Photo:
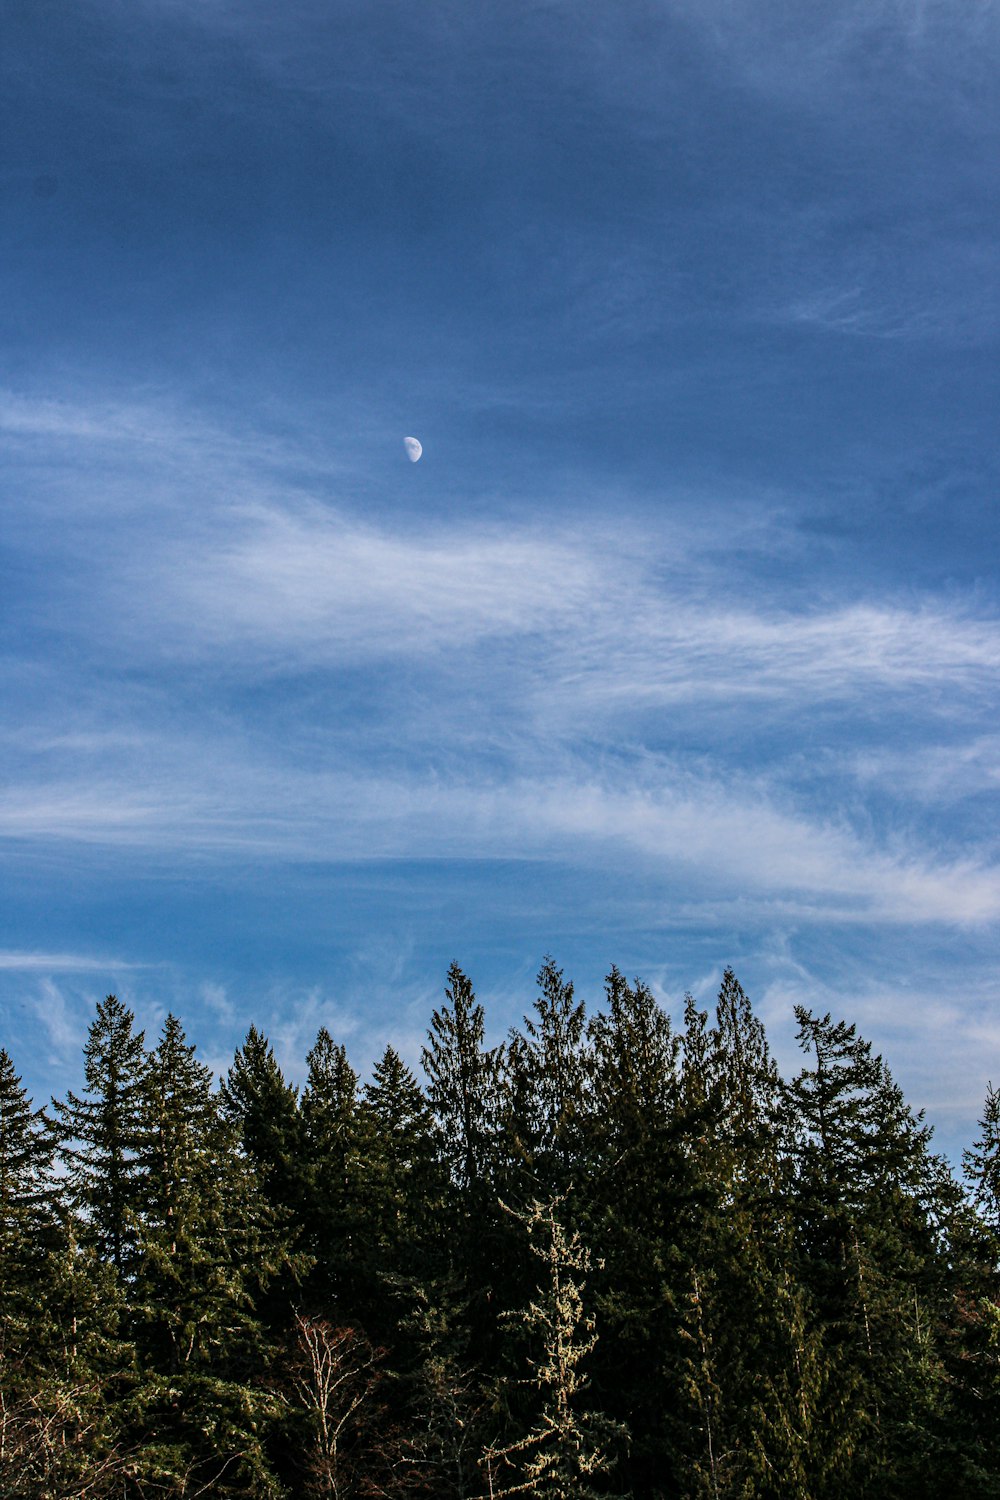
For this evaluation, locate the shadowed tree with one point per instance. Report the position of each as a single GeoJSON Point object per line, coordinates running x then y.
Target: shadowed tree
{"type": "Point", "coordinates": [206, 1243]}
{"type": "Point", "coordinates": [100, 1132]}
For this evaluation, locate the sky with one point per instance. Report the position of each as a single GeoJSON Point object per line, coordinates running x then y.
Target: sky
{"type": "Point", "coordinates": [678, 648]}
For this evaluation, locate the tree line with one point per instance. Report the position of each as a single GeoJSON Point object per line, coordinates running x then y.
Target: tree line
{"type": "Point", "coordinates": [612, 1256]}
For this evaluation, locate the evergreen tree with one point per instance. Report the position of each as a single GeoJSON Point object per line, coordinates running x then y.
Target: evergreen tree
{"type": "Point", "coordinates": [872, 1205]}
{"type": "Point", "coordinates": [204, 1231]}
{"type": "Point", "coordinates": [546, 1077]}
{"type": "Point", "coordinates": [982, 1166]}
{"type": "Point", "coordinates": [63, 1368]}
{"type": "Point", "coordinates": [638, 1203]}
{"type": "Point", "coordinates": [264, 1109]}
{"type": "Point", "coordinates": [28, 1208]}
{"type": "Point", "coordinates": [404, 1184]}
{"type": "Point", "coordinates": [463, 1092]}
{"type": "Point", "coordinates": [745, 1079]}
{"type": "Point", "coordinates": [462, 1076]}
{"type": "Point", "coordinates": [100, 1132]}
{"type": "Point", "coordinates": [339, 1234]}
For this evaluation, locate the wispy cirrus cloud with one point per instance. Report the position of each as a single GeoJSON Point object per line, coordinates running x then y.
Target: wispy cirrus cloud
{"type": "Point", "coordinates": [715, 837]}
{"type": "Point", "coordinates": [24, 961]}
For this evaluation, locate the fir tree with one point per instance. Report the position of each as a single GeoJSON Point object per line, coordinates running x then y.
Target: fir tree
{"type": "Point", "coordinates": [100, 1131]}
{"type": "Point", "coordinates": [28, 1202]}
{"type": "Point", "coordinates": [462, 1076]}
{"type": "Point", "coordinates": [982, 1165]}
{"type": "Point", "coordinates": [872, 1205]}
{"type": "Point", "coordinates": [264, 1109]}
{"type": "Point", "coordinates": [404, 1185]}
{"type": "Point", "coordinates": [204, 1232]}
{"type": "Point", "coordinates": [339, 1233]}
{"type": "Point", "coordinates": [638, 1197]}
{"type": "Point", "coordinates": [546, 1073]}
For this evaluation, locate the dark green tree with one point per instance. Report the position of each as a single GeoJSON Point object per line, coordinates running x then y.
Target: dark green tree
{"type": "Point", "coordinates": [100, 1134]}
{"type": "Point", "coordinates": [265, 1111]}
{"type": "Point", "coordinates": [405, 1183]}
{"type": "Point", "coordinates": [27, 1189]}
{"type": "Point", "coordinates": [462, 1083]}
{"type": "Point", "coordinates": [546, 1077]}
{"type": "Point", "coordinates": [873, 1205]}
{"type": "Point", "coordinates": [64, 1370]}
{"type": "Point", "coordinates": [637, 1204]}
{"type": "Point", "coordinates": [205, 1243]}
{"type": "Point", "coordinates": [337, 1144]}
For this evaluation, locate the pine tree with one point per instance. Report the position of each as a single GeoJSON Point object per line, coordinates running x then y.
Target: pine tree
{"type": "Point", "coordinates": [204, 1233]}
{"type": "Point", "coordinates": [27, 1189]}
{"type": "Point", "coordinates": [745, 1416]}
{"type": "Point", "coordinates": [745, 1079]}
{"type": "Point", "coordinates": [339, 1234]}
{"type": "Point", "coordinates": [404, 1183]}
{"type": "Point", "coordinates": [637, 1203]}
{"type": "Point", "coordinates": [264, 1109]}
{"type": "Point", "coordinates": [982, 1165]}
{"type": "Point", "coordinates": [872, 1205]}
{"type": "Point", "coordinates": [545, 1076]}
{"type": "Point", "coordinates": [100, 1132]}
{"type": "Point", "coordinates": [63, 1368]}
{"type": "Point", "coordinates": [462, 1076]}
{"type": "Point", "coordinates": [463, 1091]}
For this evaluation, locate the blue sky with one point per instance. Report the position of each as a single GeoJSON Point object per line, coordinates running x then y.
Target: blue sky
{"type": "Point", "coordinates": [678, 648]}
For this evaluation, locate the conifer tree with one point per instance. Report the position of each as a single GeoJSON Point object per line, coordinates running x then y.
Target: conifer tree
{"type": "Point", "coordinates": [206, 1239]}
{"type": "Point", "coordinates": [745, 1079]}
{"type": "Point", "coordinates": [872, 1203]}
{"type": "Point", "coordinates": [638, 1198]}
{"type": "Point", "coordinates": [339, 1235]}
{"type": "Point", "coordinates": [462, 1076]}
{"type": "Point", "coordinates": [27, 1190]}
{"type": "Point", "coordinates": [546, 1075]}
{"type": "Point", "coordinates": [982, 1165]}
{"type": "Point", "coordinates": [100, 1131]}
{"type": "Point", "coordinates": [264, 1109]}
{"type": "Point", "coordinates": [404, 1185]}
{"type": "Point", "coordinates": [64, 1370]}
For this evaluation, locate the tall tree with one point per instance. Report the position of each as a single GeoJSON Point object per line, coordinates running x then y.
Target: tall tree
{"type": "Point", "coordinates": [264, 1109]}
{"type": "Point", "coordinates": [462, 1075]}
{"type": "Point", "coordinates": [405, 1185]}
{"type": "Point", "coordinates": [205, 1240]}
{"type": "Point", "coordinates": [27, 1151]}
{"type": "Point", "coordinates": [546, 1076]}
{"type": "Point", "coordinates": [873, 1204]}
{"type": "Point", "coordinates": [100, 1132]}
{"type": "Point", "coordinates": [336, 1137]}
{"type": "Point", "coordinates": [638, 1199]}
{"type": "Point", "coordinates": [64, 1370]}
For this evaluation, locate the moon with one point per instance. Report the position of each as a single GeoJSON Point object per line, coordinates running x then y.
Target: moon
{"type": "Point", "coordinates": [414, 448]}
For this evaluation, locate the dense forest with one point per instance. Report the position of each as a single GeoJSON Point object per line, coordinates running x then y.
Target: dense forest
{"type": "Point", "coordinates": [616, 1255]}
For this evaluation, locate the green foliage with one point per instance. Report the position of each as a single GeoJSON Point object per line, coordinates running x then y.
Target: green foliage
{"type": "Point", "coordinates": [239, 1292]}
{"type": "Point", "coordinates": [100, 1131]}
{"type": "Point", "coordinates": [462, 1077]}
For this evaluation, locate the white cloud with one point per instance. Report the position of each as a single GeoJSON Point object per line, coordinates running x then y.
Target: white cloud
{"type": "Point", "coordinates": [714, 837]}
{"type": "Point", "coordinates": [26, 962]}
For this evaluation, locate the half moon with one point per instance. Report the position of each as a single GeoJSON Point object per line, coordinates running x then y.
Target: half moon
{"type": "Point", "coordinates": [414, 448]}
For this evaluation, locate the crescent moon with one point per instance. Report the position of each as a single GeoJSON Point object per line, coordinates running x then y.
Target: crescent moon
{"type": "Point", "coordinates": [413, 447]}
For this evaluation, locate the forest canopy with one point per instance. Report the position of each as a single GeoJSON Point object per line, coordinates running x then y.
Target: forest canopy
{"type": "Point", "coordinates": [618, 1254]}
